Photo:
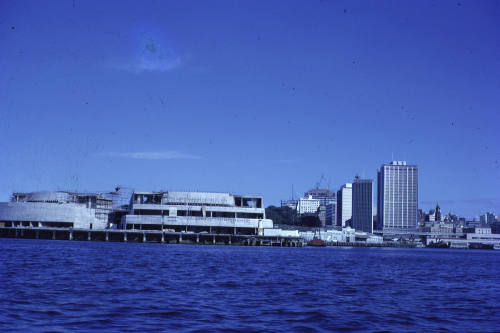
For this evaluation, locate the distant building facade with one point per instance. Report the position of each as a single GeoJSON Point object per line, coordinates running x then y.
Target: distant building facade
{"type": "Point", "coordinates": [495, 227]}
{"type": "Point", "coordinates": [487, 218]}
{"type": "Point", "coordinates": [344, 204]}
{"type": "Point", "coordinates": [307, 205]}
{"type": "Point", "coordinates": [289, 203]}
{"type": "Point", "coordinates": [327, 201]}
{"type": "Point", "coordinates": [362, 217]}
{"type": "Point", "coordinates": [397, 196]}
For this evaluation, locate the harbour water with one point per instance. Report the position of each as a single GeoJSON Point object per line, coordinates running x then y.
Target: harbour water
{"type": "Point", "coordinates": [95, 286]}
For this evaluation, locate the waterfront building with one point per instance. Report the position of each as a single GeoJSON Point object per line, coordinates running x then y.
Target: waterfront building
{"type": "Point", "coordinates": [439, 227]}
{"type": "Point", "coordinates": [362, 216]}
{"type": "Point", "coordinates": [397, 196]}
{"type": "Point", "coordinates": [196, 212]}
{"type": "Point", "coordinates": [484, 236]}
{"type": "Point", "coordinates": [57, 210]}
{"type": "Point", "coordinates": [480, 238]}
{"type": "Point", "coordinates": [345, 235]}
{"type": "Point", "coordinates": [344, 204]}
{"type": "Point", "coordinates": [222, 213]}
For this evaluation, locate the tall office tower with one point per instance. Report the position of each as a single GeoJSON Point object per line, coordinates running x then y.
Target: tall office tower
{"type": "Point", "coordinates": [397, 196]}
{"type": "Point", "coordinates": [344, 204]}
{"type": "Point", "coordinates": [362, 217]}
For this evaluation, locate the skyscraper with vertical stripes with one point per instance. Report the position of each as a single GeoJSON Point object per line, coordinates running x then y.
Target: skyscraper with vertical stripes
{"type": "Point", "coordinates": [397, 196]}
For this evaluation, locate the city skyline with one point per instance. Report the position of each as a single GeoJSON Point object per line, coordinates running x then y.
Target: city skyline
{"type": "Point", "coordinates": [251, 97]}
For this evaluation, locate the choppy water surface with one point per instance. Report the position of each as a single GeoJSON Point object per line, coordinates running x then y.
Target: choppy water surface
{"type": "Point", "coordinates": [94, 286]}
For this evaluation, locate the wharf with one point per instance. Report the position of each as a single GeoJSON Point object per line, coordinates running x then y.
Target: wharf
{"type": "Point", "coordinates": [148, 236]}
{"type": "Point", "coordinates": [363, 244]}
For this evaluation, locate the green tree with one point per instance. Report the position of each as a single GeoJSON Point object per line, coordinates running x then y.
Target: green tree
{"type": "Point", "coordinates": [281, 215]}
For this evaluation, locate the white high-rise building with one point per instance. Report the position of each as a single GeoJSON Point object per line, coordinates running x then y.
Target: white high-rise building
{"type": "Point", "coordinates": [344, 204]}
{"type": "Point", "coordinates": [397, 196]}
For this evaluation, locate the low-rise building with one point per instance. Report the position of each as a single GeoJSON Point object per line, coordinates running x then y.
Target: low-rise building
{"type": "Point", "coordinates": [57, 210]}
{"type": "Point", "coordinates": [196, 212]}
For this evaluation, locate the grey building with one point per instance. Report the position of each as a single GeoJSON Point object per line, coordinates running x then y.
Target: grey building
{"type": "Point", "coordinates": [362, 217]}
{"type": "Point", "coordinates": [189, 212]}
{"type": "Point", "coordinates": [397, 196]}
{"type": "Point", "coordinates": [56, 210]}
{"type": "Point", "coordinates": [196, 212]}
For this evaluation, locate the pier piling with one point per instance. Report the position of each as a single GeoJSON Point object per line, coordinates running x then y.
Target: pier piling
{"type": "Point", "coordinates": [147, 236]}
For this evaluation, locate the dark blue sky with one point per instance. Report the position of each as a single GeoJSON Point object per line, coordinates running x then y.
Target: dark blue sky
{"type": "Point", "coordinates": [251, 97]}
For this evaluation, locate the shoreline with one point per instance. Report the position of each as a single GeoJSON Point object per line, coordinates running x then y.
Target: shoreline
{"type": "Point", "coordinates": [186, 238]}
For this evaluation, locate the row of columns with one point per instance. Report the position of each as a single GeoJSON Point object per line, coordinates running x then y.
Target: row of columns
{"type": "Point", "coordinates": [144, 238]}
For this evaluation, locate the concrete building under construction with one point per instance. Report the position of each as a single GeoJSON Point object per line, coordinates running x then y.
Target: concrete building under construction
{"type": "Point", "coordinates": [196, 212]}
{"type": "Point", "coordinates": [172, 211]}
{"type": "Point", "coordinates": [57, 210]}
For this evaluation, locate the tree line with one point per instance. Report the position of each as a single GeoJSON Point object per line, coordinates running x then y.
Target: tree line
{"type": "Point", "coordinates": [289, 216]}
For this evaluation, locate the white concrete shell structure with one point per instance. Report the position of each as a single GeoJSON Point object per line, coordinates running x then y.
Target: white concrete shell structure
{"type": "Point", "coordinates": [56, 209]}
{"type": "Point", "coordinates": [196, 212]}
